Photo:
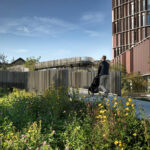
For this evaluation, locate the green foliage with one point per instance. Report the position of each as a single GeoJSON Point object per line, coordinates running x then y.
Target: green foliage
{"type": "Point", "coordinates": [3, 92]}
{"type": "Point", "coordinates": [56, 121]}
{"type": "Point", "coordinates": [133, 83]}
{"type": "Point", "coordinates": [30, 62]}
{"type": "Point", "coordinates": [118, 68]}
{"type": "Point", "coordinates": [3, 62]}
{"type": "Point", "coordinates": [119, 127]}
{"type": "Point", "coordinates": [77, 134]}
{"type": "Point", "coordinates": [29, 138]}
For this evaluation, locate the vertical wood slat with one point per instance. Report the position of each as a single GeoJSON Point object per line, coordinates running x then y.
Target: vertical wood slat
{"type": "Point", "coordinates": [39, 81]}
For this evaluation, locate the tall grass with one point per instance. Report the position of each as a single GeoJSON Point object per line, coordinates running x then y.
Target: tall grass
{"type": "Point", "coordinates": [56, 120]}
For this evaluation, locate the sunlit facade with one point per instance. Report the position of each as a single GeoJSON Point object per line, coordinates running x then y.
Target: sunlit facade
{"type": "Point", "coordinates": [131, 34]}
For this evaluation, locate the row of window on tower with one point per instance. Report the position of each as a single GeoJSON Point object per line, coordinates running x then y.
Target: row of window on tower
{"type": "Point", "coordinates": [129, 9]}
{"type": "Point", "coordinates": [136, 4]}
{"type": "Point", "coordinates": [124, 41]}
{"type": "Point", "coordinates": [136, 21]}
{"type": "Point", "coordinates": [131, 37]}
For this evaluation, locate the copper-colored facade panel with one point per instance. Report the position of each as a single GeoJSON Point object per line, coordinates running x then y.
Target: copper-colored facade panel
{"type": "Point", "coordinates": [123, 59]}
{"type": "Point", "coordinates": [131, 34]}
{"type": "Point", "coordinates": [128, 61]}
{"type": "Point", "coordinates": [114, 41]}
{"type": "Point", "coordinates": [131, 60]}
{"type": "Point", "coordinates": [141, 54]}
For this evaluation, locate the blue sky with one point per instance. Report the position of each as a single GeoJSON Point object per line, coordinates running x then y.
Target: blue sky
{"type": "Point", "coordinates": [55, 29]}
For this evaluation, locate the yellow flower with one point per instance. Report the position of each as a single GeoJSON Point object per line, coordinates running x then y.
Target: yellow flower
{"type": "Point", "coordinates": [116, 142]}
{"type": "Point", "coordinates": [121, 148]}
{"type": "Point", "coordinates": [104, 135]}
{"type": "Point", "coordinates": [134, 134]}
{"type": "Point", "coordinates": [127, 103]}
{"type": "Point", "coordinates": [127, 109]}
{"type": "Point", "coordinates": [132, 105]}
{"type": "Point", "coordinates": [120, 144]}
{"type": "Point", "coordinates": [107, 100]}
{"type": "Point", "coordinates": [115, 103]}
{"type": "Point", "coordinates": [115, 98]}
{"type": "Point", "coordinates": [99, 105]}
{"type": "Point", "coordinates": [103, 121]}
{"type": "Point", "coordinates": [104, 117]}
{"type": "Point", "coordinates": [99, 116]}
{"type": "Point", "coordinates": [126, 114]}
{"type": "Point", "coordinates": [107, 104]}
{"type": "Point", "coordinates": [129, 99]}
{"type": "Point", "coordinates": [102, 111]}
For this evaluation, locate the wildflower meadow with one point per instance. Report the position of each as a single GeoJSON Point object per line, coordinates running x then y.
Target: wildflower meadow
{"type": "Point", "coordinates": [56, 120]}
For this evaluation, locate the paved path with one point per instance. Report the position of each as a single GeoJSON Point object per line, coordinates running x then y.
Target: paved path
{"type": "Point", "coordinates": [96, 98]}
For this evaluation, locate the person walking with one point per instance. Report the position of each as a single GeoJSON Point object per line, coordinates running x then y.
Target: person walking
{"type": "Point", "coordinates": [103, 72]}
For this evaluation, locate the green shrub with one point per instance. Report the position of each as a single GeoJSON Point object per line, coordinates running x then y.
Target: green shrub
{"type": "Point", "coordinates": [56, 120]}
{"type": "Point", "coordinates": [118, 126]}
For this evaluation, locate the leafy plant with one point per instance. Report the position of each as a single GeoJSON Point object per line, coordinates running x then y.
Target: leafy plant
{"type": "Point", "coordinates": [3, 62]}
{"type": "Point", "coordinates": [57, 120]}
{"type": "Point", "coordinates": [30, 62]}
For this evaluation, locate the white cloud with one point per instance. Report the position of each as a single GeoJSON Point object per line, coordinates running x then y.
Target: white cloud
{"type": "Point", "coordinates": [21, 51]}
{"type": "Point", "coordinates": [23, 29]}
{"type": "Point", "coordinates": [35, 26]}
{"type": "Point", "coordinates": [92, 33]}
{"type": "Point", "coordinates": [92, 17]}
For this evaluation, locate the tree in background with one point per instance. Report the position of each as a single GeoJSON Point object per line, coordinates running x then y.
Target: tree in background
{"type": "Point", "coordinates": [118, 68]}
{"type": "Point", "coordinates": [3, 61]}
{"type": "Point", "coordinates": [31, 61]}
{"type": "Point", "coordinates": [137, 82]}
{"type": "Point", "coordinates": [12, 60]}
{"type": "Point", "coordinates": [131, 83]}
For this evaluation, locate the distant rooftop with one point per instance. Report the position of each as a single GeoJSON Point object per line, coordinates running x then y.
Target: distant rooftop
{"type": "Point", "coordinates": [18, 60]}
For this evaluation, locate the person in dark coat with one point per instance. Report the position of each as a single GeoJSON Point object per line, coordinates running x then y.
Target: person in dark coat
{"type": "Point", "coordinates": [103, 72]}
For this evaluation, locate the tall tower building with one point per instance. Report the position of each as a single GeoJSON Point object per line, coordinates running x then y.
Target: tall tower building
{"type": "Point", "coordinates": [131, 34]}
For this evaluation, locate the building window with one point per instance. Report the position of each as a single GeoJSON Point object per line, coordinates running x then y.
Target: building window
{"type": "Point", "coordinates": [135, 6]}
{"type": "Point", "coordinates": [132, 37]}
{"type": "Point", "coordinates": [114, 53]}
{"type": "Point", "coordinates": [148, 18]}
{"type": "Point", "coordinates": [116, 40]}
{"type": "Point", "coordinates": [148, 31]}
{"type": "Point", "coordinates": [139, 20]}
{"type": "Point", "coordinates": [135, 21]}
{"type": "Point", "coordinates": [139, 7]}
{"type": "Point", "coordinates": [132, 8]}
{"type": "Point", "coordinates": [148, 4]}
{"type": "Point", "coordinates": [117, 25]}
{"type": "Point", "coordinates": [132, 22]}
{"type": "Point", "coordinates": [135, 36]}
{"type": "Point", "coordinates": [143, 19]}
{"type": "Point", "coordinates": [143, 4]}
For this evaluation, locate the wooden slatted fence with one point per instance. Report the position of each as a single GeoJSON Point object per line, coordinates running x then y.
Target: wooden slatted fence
{"type": "Point", "coordinates": [39, 81]}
